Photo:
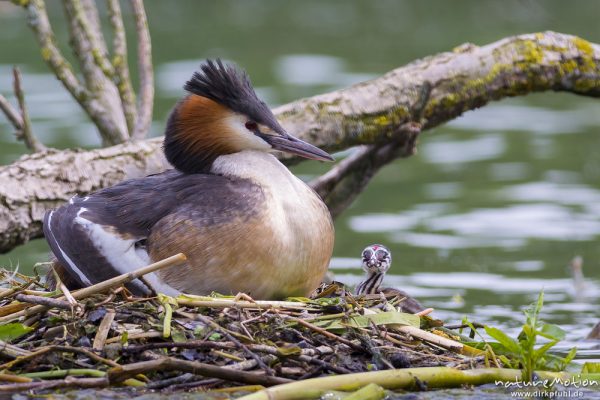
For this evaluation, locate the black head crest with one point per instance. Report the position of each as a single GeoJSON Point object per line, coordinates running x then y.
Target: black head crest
{"type": "Point", "coordinates": [230, 86]}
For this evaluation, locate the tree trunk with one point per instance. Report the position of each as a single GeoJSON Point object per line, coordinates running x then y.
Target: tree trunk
{"type": "Point", "coordinates": [420, 95]}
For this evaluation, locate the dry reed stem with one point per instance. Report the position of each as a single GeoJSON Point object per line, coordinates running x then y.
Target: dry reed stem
{"type": "Point", "coordinates": [106, 285]}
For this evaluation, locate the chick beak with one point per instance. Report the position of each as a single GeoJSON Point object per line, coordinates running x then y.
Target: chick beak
{"type": "Point", "coordinates": [292, 145]}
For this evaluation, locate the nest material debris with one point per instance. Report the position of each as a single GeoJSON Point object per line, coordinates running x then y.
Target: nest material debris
{"type": "Point", "coordinates": [112, 339]}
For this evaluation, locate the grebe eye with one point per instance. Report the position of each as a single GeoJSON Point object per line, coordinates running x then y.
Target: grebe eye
{"type": "Point", "coordinates": [251, 126]}
{"type": "Point", "coordinates": [367, 254]}
{"type": "Point", "coordinates": [380, 254]}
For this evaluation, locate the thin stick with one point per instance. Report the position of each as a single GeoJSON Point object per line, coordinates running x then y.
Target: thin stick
{"type": "Point", "coordinates": [103, 330]}
{"type": "Point", "coordinates": [65, 291]}
{"type": "Point", "coordinates": [239, 344]}
{"type": "Point", "coordinates": [9, 350]}
{"type": "Point", "coordinates": [128, 277]}
{"type": "Point", "coordinates": [61, 373]}
{"type": "Point", "coordinates": [106, 285]}
{"type": "Point", "coordinates": [69, 382]}
{"type": "Point", "coordinates": [223, 303]}
{"type": "Point", "coordinates": [25, 133]}
{"type": "Point", "coordinates": [249, 364]}
{"type": "Point", "coordinates": [146, 73]}
{"type": "Point", "coordinates": [44, 301]}
{"type": "Point", "coordinates": [431, 338]}
{"type": "Point", "coordinates": [342, 183]}
{"type": "Point", "coordinates": [43, 293]}
{"type": "Point", "coordinates": [121, 65]}
{"type": "Point", "coordinates": [13, 290]}
{"type": "Point", "coordinates": [424, 312]}
{"type": "Point", "coordinates": [14, 378]}
{"type": "Point", "coordinates": [70, 349]}
{"type": "Point", "coordinates": [324, 332]}
{"type": "Point", "coordinates": [141, 335]}
{"type": "Point", "coordinates": [169, 382]}
{"type": "Point", "coordinates": [11, 113]}
{"type": "Point", "coordinates": [167, 363]}
{"type": "Point", "coordinates": [227, 355]}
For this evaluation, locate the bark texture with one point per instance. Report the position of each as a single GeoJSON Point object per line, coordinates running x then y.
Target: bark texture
{"type": "Point", "coordinates": [41, 181]}
{"type": "Point", "coordinates": [420, 95]}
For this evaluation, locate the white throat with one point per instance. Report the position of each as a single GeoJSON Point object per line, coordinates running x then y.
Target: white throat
{"type": "Point", "coordinates": [258, 166]}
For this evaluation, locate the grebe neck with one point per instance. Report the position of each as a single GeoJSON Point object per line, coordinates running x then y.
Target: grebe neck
{"type": "Point", "coordinates": [371, 284]}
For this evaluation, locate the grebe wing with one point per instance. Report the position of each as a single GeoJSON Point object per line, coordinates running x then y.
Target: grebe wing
{"type": "Point", "coordinates": [104, 234]}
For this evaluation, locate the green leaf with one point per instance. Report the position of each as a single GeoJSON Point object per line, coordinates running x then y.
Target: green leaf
{"type": "Point", "coordinates": [544, 349]}
{"type": "Point", "coordinates": [289, 351]}
{"type": "Point", "coordinates": [570, 356]}
{"type": "Point", "coordinates": [178, 336]}
{"type": "Point", "coordinates": [362, 321]}
{"type": "Point", "coordinates": [540, 304]}
{"type": "Point", "coordinates": [552, 332]}
{"type": "Point", "coordinates": [124, 338]}
{"type": "Point", "coordinates": [534, 310]}
{"type": "Point", "coordinates": [193, 297]}
{"type": "Point", "coordinates": [509, 343]}
{"type": "Point", "coordinates": [325, 301]}
{"type": "Point", "coordinates": [12, 331]}
{"type": "Point", "coordinates": [591, 368]}
{"type": "Point", "coordinates": [299, 299]}
{"type": "Point", "coordinates": [508, 363]}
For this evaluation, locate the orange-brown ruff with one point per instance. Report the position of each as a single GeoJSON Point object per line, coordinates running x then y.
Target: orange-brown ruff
{"type": "Point", "coordinates": [244, 221]}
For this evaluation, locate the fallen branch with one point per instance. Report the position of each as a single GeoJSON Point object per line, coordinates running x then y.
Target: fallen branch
{"type": "Point", "coordinates": [369, 113]}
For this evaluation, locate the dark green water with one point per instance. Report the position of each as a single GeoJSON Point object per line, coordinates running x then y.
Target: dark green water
{"type": "Point", "coordinates": [488, 213]}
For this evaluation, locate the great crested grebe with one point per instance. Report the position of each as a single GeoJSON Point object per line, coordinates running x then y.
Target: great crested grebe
{"type": "Point", "coordinates": [376, 261]}
{"type": "Point", "coordinates": [244, 221]}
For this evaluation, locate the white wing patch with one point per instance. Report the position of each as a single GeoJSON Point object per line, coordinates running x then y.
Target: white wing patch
{"type": "Point", "coordinates": [72, 265]}
{"type": "Point", "coordinates": [122, 254]}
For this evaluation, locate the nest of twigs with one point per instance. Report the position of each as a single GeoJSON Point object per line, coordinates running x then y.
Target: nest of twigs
{"type": "Point", "coordinates": [107, 338]}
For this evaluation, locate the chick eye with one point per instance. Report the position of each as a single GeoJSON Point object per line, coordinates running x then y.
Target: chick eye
{"type": "Point", "coordinates": [367, 254]}
{"type": "Point", "coordinates": [251, 126]}
{"type": "Point", "coordinates": [380, 254]}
